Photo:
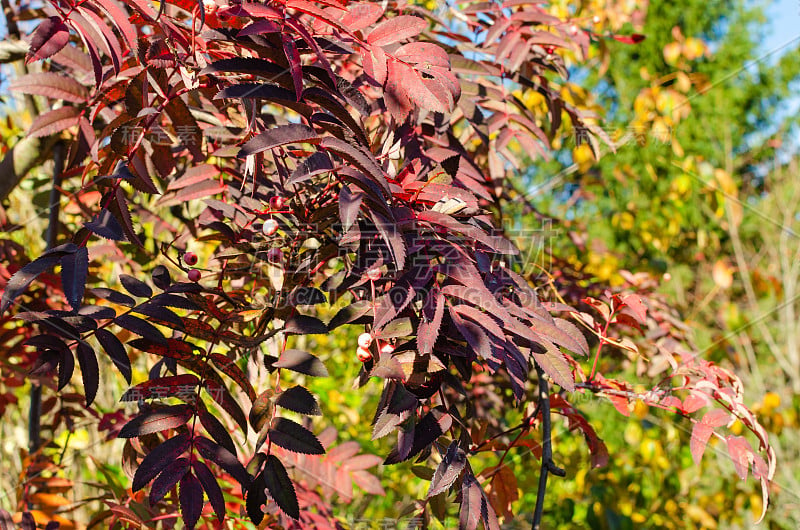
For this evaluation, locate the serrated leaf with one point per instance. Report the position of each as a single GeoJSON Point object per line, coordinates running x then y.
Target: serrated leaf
{"type": "Point", "coordinates": [294, 437]}
{"type": "Point", "coordinates": [135, 287]}
{"type": "Point", "coordinates": [162, 387]}
{"type": "Point", "coordinates": [54, 121]}
{"type": "Point", "coordinates": [556, 366]}
{"type": "Point", "coordinates": [168, 478]}
{"type": "Point", "coordinates": [51, 85]}
{"type": "Point", "coordinates": [301, 362]}
{"type": "Point", "coordinates": [448, 470]}
{"type": "Point", "coordinates": [349, 206]}
{"type": "Point", "coordinates": [219, 433]}
{"type": "Point", "coordinates": [106, 225]}
{"type": "Point", "coordinates": [90, 371]}
{"type": "Point", "coordinates": [229, 368]}
{"type": "Point", "coordinates": [21, 279]}
{"type": "Point", "coordinates": [315, 164]}
{"type": "Point", "coordinates": [190, 496]}
{"type": "Point", "coordinates": [701, 432]}
{"type": "Point", "coordinates": [305, 325]}
{"type": "Point", "coordinates": [300, 400]}
{"type": "Point", "coordinates": [113, 296]}
{"type": "Point", "coordinates": [116, 351]}
{"type": "Point", "coordinates": [214, 452]}
{"type": "Point", "coordinates": [280, 486]}
{"type": "Point", "coordinates": [256, 497]}
{"type": "Point", "coordinates": [213, 491]}
{"type": "Point", "coordinates": [74, 271]}
{"type": "Point", "coordinates": [278, 136]}
{"type": "Point", "coordinates": [156, 421]}
{"type": "Point", "coordinates": [158, 458]}
{"type": "Point", "coordinates": [396, 29]}
{"type": "Point", "coordinates": [49, 38]}
{"type": "Point", "coordinates": [141, 328]}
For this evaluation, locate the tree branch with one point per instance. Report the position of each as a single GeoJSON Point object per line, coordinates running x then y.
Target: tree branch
{"type": "Point", "coordinates": [548, 466]}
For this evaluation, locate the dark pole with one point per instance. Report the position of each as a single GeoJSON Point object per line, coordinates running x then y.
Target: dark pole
{"type": "Point", "coordinates": [35, 415]}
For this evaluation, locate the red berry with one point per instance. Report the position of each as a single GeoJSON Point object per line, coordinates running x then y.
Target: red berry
{"type": "Point", "coordinates": [194, 275]}
{"type": "Point", "coordinates": [270, 227]}
{"type": "Point", "coordinates": [374, 274]}
{"type": "Point", "coordinates": [364, 340]}
{"type": "Point", "coordinates": [276, 203]}
{"type": "Point", "coordinates": [275, 255]}
{"type": "Point", "coordinates": [363, 354]}
{"type": "Point", "coordinates": [190, 258]}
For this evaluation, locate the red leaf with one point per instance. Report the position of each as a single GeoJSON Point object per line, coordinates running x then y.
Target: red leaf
{"type": "Point", "coordinates": [741, 453]}
{"type": "Point", "coordinates": [556, 366]}
{"type": "Point", "coordinates": [375, 63]}
{"type": "Point", "coordinates": [424, 53]}
{"type": "Point", "coordinates": [293, 56]}
{"type": "Point", "coordinates": [51, 85]}
{"type": "Point", "coordinates": [361, 15]}
{"type": "Point", "coordinates": [54, 121]}
{"type": "Point", "coordinates": [156, 420]}
{"type": "Point", "coordinates": [700, 435]}
{"type": "Point", "coordinates": [634, 38]}
{"type": "Point", "coordinates": [48, 39]}
{"type": "Point", "coordinates": [396, 29]}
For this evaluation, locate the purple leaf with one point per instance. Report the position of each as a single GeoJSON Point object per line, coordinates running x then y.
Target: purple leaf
{"type": "Point", "coordinates": [300, 400]}
{"type": "Point", "coordinates": [51, 85]}
{"type": "Point", "coordinates": [214, 452]}
{"type": "Point", "coordinates": [116, 351]}
{"type": "Point", "coordinates": [173, 472]}
{"type": "Point", "coordinates": [213, 490]}
{"type": "Point", "coordinates": [294, 437]}
{"type": "Point", "coordinates": [278, 136]}
{"type": "Point", "coordinates": [21, 279]}
{"type": "Point", "coordinates": [74, 270]}
{"type": "Point", "coordinates": [106, 225]}
{"type": "Point", "coordinates": [48, 39]}
{"type": "Point", "coordinates": [255, 499]}
{"type": "Point", "coordinates": [114, 297]}
{"type": "Point", "coordinates": [135, 287]}
{"type": "Point", "coordinates": [217, 430]}
{"type": "Point", "coordinates": [449, 469]}
{"type": "Point", "coordinates": [305, 325]}
{"type": "Point", "coordinates": [301, 362]}
{"type": "Point", "coordinates": [156, 420]}
{"type": "Point", "coordinates": [190, 496]}
{"type": "Point", "coordinates": [141, 328]}
{"type": "Point", "coordinates": [158, 458]}
{"type": "Point", "coordinates": [292, 55]}
{"type": "Point", "coordinates": [315, 164]}
{"type": "Point", "coordinates": [349, 206]}
{"type": "Point", "coordinates": [280, 487]}
{"type": "Point", "coordinates": [66, 366]}
{"type": "Point", "coordinates": [87, 360]}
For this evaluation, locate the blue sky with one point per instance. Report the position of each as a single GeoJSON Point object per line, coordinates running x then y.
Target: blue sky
{"type": "Point", "coordinates": [784, 16]}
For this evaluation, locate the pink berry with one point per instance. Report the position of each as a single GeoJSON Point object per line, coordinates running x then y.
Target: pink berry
{"type": "Point", "coordinates": [275, 255]}
{"type": "Point", "coordinates": [190, 258]}
{"type": "Point", "coordinates": [363, 354]}
{"type": "Point", "coordinates": [374, 274]}
{"type": "Point", "coordinates": [270, 227]}
{"type": "Point", "coordinates": [573, 30]}
{"type": "Point", "coordinates": [364, 340]}
{"type": "Point", "coordinates": [194, 275]}
{"type": "Point", "coordinates": [596, 19]}
{"type": "Point", "coordinates": [387, 349]}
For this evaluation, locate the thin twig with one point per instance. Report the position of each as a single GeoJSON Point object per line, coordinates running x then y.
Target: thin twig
{"type": "Point", "coordinates": [548, 466]}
